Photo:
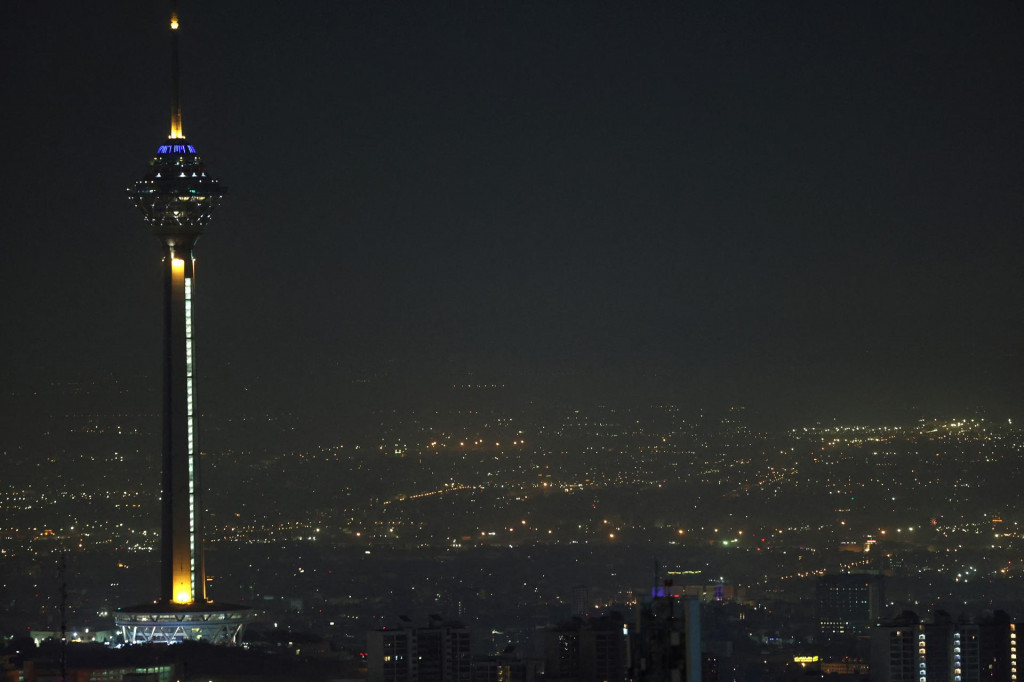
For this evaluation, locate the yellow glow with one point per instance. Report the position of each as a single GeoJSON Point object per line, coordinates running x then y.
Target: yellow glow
{"type": "Point", "coordinates": [182, 597]}
{"type": "Point", "coordinates": [178, 263]}
{"type": "Point", "coordinates": [174, 22]}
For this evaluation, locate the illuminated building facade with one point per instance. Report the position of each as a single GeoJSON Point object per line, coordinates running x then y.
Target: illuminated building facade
{"type": "Point", "coordinates": [848, 603]}
{"type": "Point", "coordinates": [905, 649]}
{"type": "Point", "coordinates": [177, 198]}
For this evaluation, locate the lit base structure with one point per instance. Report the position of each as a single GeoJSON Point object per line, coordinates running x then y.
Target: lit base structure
{"type": "Point", "coordinates": [169, 623]}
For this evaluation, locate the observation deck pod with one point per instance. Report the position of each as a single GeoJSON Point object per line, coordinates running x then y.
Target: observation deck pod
{"type": "Point", "coordinates": [168, 623]}
{"type": "Point", "coordinates": [177, 196]}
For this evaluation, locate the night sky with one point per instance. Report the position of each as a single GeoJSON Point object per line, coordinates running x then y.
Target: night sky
{"type": "Point", "coordinates": [810, 207]}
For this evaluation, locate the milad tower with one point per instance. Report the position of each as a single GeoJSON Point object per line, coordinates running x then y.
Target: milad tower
{"type": "Point", "coordinates": [176, 198]}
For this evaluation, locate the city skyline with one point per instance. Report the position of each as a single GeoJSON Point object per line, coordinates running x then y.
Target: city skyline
{"type": "Point", "coordinates": [808, 209]}
{"type": "Point", "coordinates": [513, 302]}
{"type": "Point", "coordinates": [499, 517]}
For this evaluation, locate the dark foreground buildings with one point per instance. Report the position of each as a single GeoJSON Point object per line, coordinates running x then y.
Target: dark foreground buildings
{"type": "Point", "coordinates": [587, 650]}
{"type": "Point", "coordinates": [663, 644]}
{"type": "Point", "coordinates": [667, 640]}
{"type": "Point", "coordinates": [176, 198]}
{"type": "Point", "coordinates": [439, 652]}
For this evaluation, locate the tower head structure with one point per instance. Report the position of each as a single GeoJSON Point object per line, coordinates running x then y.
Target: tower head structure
{"type": "Point", "coordinates": [177, 198]}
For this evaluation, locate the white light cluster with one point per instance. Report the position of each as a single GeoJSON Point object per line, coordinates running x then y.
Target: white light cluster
{"type": "Point", "coordinates": [191, 432]}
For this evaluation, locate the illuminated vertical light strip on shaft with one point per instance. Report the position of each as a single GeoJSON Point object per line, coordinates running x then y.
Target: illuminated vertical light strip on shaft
{"type": "Point", "coordinates": [190, 416]}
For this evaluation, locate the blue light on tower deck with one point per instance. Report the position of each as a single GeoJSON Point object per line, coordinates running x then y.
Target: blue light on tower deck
{"type": "Point", "coordinates": [176, 149]}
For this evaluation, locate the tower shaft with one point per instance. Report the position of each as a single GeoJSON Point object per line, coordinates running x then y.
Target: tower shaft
{"type": "Point", "coordinates": [183, 577]}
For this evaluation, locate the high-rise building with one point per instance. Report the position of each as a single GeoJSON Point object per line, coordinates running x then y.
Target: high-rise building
{"type": "Point", "coordinates": [506, 667]}
{"type": "Point", "coordinates": [581, 602]}
{"type": "Point", "coordinates": [390, 655]}
{"type": "Point", "coordinates": [666, 639]}
{"type": "Point", "coordinates": [439, 652]}
{"type": "Point", "coordinates": [905, 649]}
{"type": "Point", "coordinates": [176, 198]}
{"type": "Point", "coordinates": [899, 650]}
{"type": "Point", "coordinates": [848, 603]}
{"type": "Point", "coordinates": [588, 650]}
{"type": "Point", "coordinates": [988, 649]}
{"type": "Point", "coordinates": [562, 652]}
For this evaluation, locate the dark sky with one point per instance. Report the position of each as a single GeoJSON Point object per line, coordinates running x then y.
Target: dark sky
{"type": "Point", "coordinates": [814, 205]}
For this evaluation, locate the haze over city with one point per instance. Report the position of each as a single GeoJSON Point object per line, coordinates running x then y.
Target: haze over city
{"type": "Point", "coordinates": [536, 292]}
{"type": "Point", "coordinates": [807, 207]}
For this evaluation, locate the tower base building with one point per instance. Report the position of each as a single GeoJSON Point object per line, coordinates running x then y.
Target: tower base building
{"type": "Point", "coordinates": [175, 623]}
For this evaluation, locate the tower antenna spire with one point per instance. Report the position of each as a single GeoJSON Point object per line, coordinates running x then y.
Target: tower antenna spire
{"type": "Point", "coordinates": [176, 132]}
